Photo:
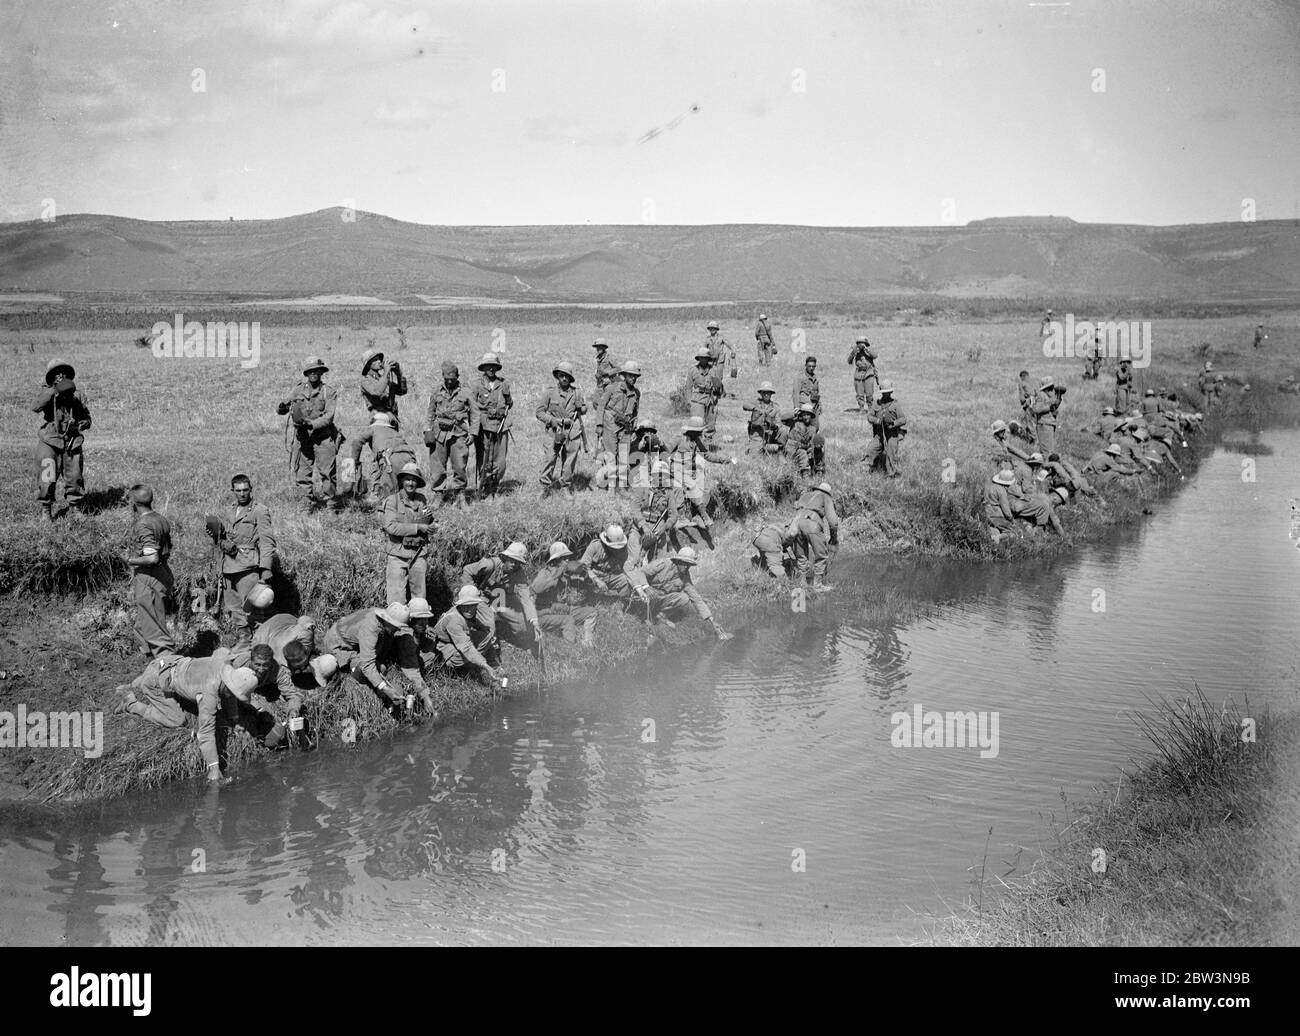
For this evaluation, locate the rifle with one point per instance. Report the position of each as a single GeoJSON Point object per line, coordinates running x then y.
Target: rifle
{"type": "Point", "coordinates": [583, 429]}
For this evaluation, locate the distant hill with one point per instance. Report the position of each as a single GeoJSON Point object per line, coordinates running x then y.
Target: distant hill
{"type": "Point", "coordinates": [321, 253]}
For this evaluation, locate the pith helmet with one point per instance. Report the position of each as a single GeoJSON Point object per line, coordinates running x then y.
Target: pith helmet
{"type": "Point", "coordinates": [1141, 434]}
{"type": "Point", "coordinates": [1062, 494]}
{"type": "Point", "coordinates": [762, 316]}
{"type": "Point", "coordinates": [468, 596]}
{"type": "Point", "coordinates": [1108, 411]}
{"type": "Point", "coordinates": [419, 608]}
{"type": "Point", "coordinates": [379, 417]}
{"type": "Point", "coordinates": [1209, 366]}
{"type": "Point", "coordinates": [631, 368]}
{"type": "Point", "coordinates": [766, 386]}
{"type": "Point", "coordinates": [324, 666]}
{"type": "Point", "coordinates": [807, 408]}
{"type": "Point", "coordinates": [661, 467]}
{"type": "Point", "coordinates": [564, 367]}
{"type": "Point", "coordinates": [411, 470]}
{"type": "Point", "coordinates": [368, 356]}
{"type": "Point", "coordinates": [1004, 477]}
{"type": "Point", "coordinates": [703, 354]}
{"type": "Point", "coordinates": [489, 360]}
{"type": "Point", "coordinates": [1114, 450]}
{"type": "Point", "coordinates": [559, 549]}
{"type": "Point", "coordinates": [54, 366]}
{"type": "Point", "coordinates": [886, 388]}
{"type": "Point", "coordinates": [1149, 392]}
{"type": "Point", "coordinates": [240, 682]}
{"type": "Point", "coordinates": [314, 363]}
{"type": "Point", "coordinates": [515, 552]}
{"type": "Point", "coordinates": [693, 424]}
{"type": "Point", "coordinates": [686, 556]}
{"type": "Point", "coordinates": [450, 370]}
{"type": "Point", "coordinates": [646, 424]}
{"type": "Point", "coordinates": [998, 426]}
{"type": "Point", "coordinates": [861, 340]}
{"type": "Point", "coordinates": [396, 615]}
{"type": "Point", "coordinates": [261, 596]}
{"type": "Point", "coordinates": [712, 325]}
{"type": "Point", "coordinates": [825, 487]}
{"type": "Point", "coordinates": [614, 536]}
{"type": "Point", "coordinates": [1047, 382]}
{"type": "Point", "coordinates": [600, 343]}
{"type": "Point", "coordinates": [1035, 460]}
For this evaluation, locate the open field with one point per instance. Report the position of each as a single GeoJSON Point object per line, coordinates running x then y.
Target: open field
{"type": "Point", "coordinates": [186, 425]}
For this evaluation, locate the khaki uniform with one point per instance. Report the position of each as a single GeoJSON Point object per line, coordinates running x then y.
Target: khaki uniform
{"type": "Point", "coordinates": [1044, 411]}
{"type": "Point", "coordinates": [1108, 469]}
{"type": "Point", "coordinates": [315, 442]}
{"type": "Point", "coordinates": [764, 425]}
{"type": "Point", "coordinates": [808, 390]}
{"type": "Point", "coordinates": [805, 448]}
{"type": "Point", "coordinates": [560, 412]}
{"type": "Point", "coordinates": [389, 452]}
{"type": "Point", "coordinates": [453, 422]}
{"type": "Point", "coordinates": [818, 526]}
{"type": "Point", "coordinates": [151, 585]}
{"type": "Point", "coordinates": [672, 593]}
{"type": "Point", "coordinates": [766, 345]}
{"type": "Point", "coordinates": [406, 566]}
{"type": "Point", "coordinates": [606, 379]}
{"type": "Point", "coordinates": [249, 531]}
{"type": "Point", "coordinates": [1123, 391]}
{"type": "Point", "coordinates": [863, 360]}
{"type": "Point", "coordinates": [999, 511]}
{"type": "Point", "coordinates": [452, 637]}
{"type": "Point", "coordinates": [492, 443]}
{"type": "Point", "coordinates": [510, 611]}
{"type": "Point", "coordinates": [558, 593]}
{"type": "Point", "coordinates": [60, 445]}
{"type": "Point", "coordinates": [362, 642]}
{"type": "Point", "coordinates": [381, 387]}
{"type": "Point", "coordinates": [663, 514]}
{"type": "Point", "coordinates": [621, 409]}
{"type": "Point", "coordinates": [774, 544]}
{"type": "Point", "coordinates": [615, 569]}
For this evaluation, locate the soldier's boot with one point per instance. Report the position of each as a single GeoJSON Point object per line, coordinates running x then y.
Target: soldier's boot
{"type": "Point", "coordinates": [47, 510]}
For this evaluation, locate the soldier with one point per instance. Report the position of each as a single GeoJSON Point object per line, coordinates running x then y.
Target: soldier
{"type": "Point", "coordinates": [1106, 467]}
{"type": "Point", "coordinates": [1044, 410]}
{"type": "Point", "coordinates": [1260, 337]}
{"type": "Point", "coordinates": [558, 597]}
{"type": "Point", "coordinates": [492, 443]}
{"type": "Point", "coordinates": [801, 443]}
{"type": "Point", "coordinates": [1220, 383]}
{"type": "Point", "coordinates": [1025, 391]}
{"type": "Point", "coordinates": [453, 422]}
{"type": "Point", "coordinates": [646, 448]}
{"type": "Point", "coordinates": [1015, 456]}
{"type": "Point", "coordinates": [299, 672]}
{"type": "Point", "coordinates": [606, 378]}
{"type": "Point", "coordinates": [1062, 474]}
{"type": "Point", "coordinates": [60, 443]}
{"type": "Point", "coordinates": [1103, 426]}
{"type": "Point", "coordinates": [210, 684]}
{"type": "Point", "coordinates": [1035, 503]}
{"type": "Point", "coordinates": [151, 576]}
{"type": "Point", "coordinates": [775, 546]}
{"type": "Point", "coordinates": [1046, 325]}
{"type": "Point", "coordinates": [889, 425]}
{"type": "Point", "coordinates": [610, 566]}
{"type": "Point", "coordinates": [1150, 404]}
{"type": "Point", "coordinates": [817, 526]}
{"type": "Point", "coordinates": [560, 412]}
{"type": "Point", "coordinates": [508, 608]}
{"type": "Point", "coordinates": [1124, 386]}
{"type": "Point", "coordinates": [363, 641]}
{"type": "Point", "coordinates": [381, 384]}
{"type": "Point", "coordinates": [662, 514]}
{"type": "Point", "coordinates": [764, 421]}
{"type": "Point", "coordinates": [719, 349]}
{"type": "Point", "coordinates": [672, 594]}
{"type": "Point", "coordinates": [999, 512]}
{"type": "Point", "coordinates": [453, 637]}
{"type": "Point", "coordinates": [390, 452]}
{"type": "Point", "coordinates": [620, 411]}
{"type": "Point", "coordinates": [808, 390]}
{"type": "Point", "coordinates": [407, 520]}
{"type": "Point", "coordinates": [705, 390]}
{"type": "Point", "coordinates": [862, 358]}
{"type": "Point", "coordinates": [684, 456]}
{"type": "Point", "coordinates": [246, 537]}
{"type": "Point", "coordinates": [764, 341]}
{"type": "Point", "coordinates": [310, 407]}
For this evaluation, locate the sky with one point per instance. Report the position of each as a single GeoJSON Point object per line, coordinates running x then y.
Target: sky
{"type": "Point", "coordinates": [820, 112]}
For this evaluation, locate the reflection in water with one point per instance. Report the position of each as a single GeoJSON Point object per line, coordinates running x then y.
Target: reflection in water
{"type": "Point", "coordinates": [559, 819]}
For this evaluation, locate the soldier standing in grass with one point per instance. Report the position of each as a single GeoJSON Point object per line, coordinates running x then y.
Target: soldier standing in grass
{"type": "Point", "coordinates": [804, 447]}
{"type": "Point", "coordinates": [862, 358]}
{"type": "Point", "coordinates": [247, 539]}
{"type": "Point", "coordinates": [381, 384]}
{"type": "Point", "coordinates": [606, 378]}
{"type": "Point", "coordinates": [764, 425]}
{"type": "Point", "coordinates": [702, 385]}
{"type": "Point", "coordinates": [406, 519]}
{"type": "Point", "coordinates": [494, 402]}
{"type": "Point", "coordinates": [560, 412]}
{"type": "Point", "coordinates": [672, 594]}
{"type": "Point", "coordinates": [763, 338]}
{"type": "Point", "coordinates": [620, 411]}
{"type": "Point", "coordinates": [453, 422]}
{"type": "Point", "coordinates": [888, 425]}
{"type": "Point", "coordinates": [808, 390]}
{"type": "Point", "coordinates": [1044, 411]}
{"type": "Point", "coordinates": [310, 407]}
{"type": "Point", "coordinates": [1025, 391]}
{"type": "Point", "coordinates": [1260, 337]}
{"type": "Point", "coordinates": [151, 576]}
{"type": "Point", "coordinates": [60, 444]}
{"type": "Point", "coordinates": [1124, 386]}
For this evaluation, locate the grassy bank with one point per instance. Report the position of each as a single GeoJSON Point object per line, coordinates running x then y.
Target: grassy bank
{"type": "Point", "coordinates": [64, 598]}
{"type": "Point", "coordinates": [1192, 838]}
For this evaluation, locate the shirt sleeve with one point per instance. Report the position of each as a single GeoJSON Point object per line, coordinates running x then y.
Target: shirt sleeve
{"type": "Point", "coordinates": [693, 595]}
{"type": "Point", "coordinates": [408, 659]}
{"type": "Point", "coordinates": [367, 653]}
{"type": "Point", "coordinates": [265, 538]}
{"type": "Point", "coordinates": [460, 639]}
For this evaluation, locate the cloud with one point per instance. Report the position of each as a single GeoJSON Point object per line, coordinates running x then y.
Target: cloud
{"type": "Point", "coordinates": [1220, 113]}
{"type": "Point", "coordinates": [555, 129]}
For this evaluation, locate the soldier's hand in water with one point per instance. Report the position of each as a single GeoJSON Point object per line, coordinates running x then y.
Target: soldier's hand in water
{"type": "Point", "coordinates": [722, 634]}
